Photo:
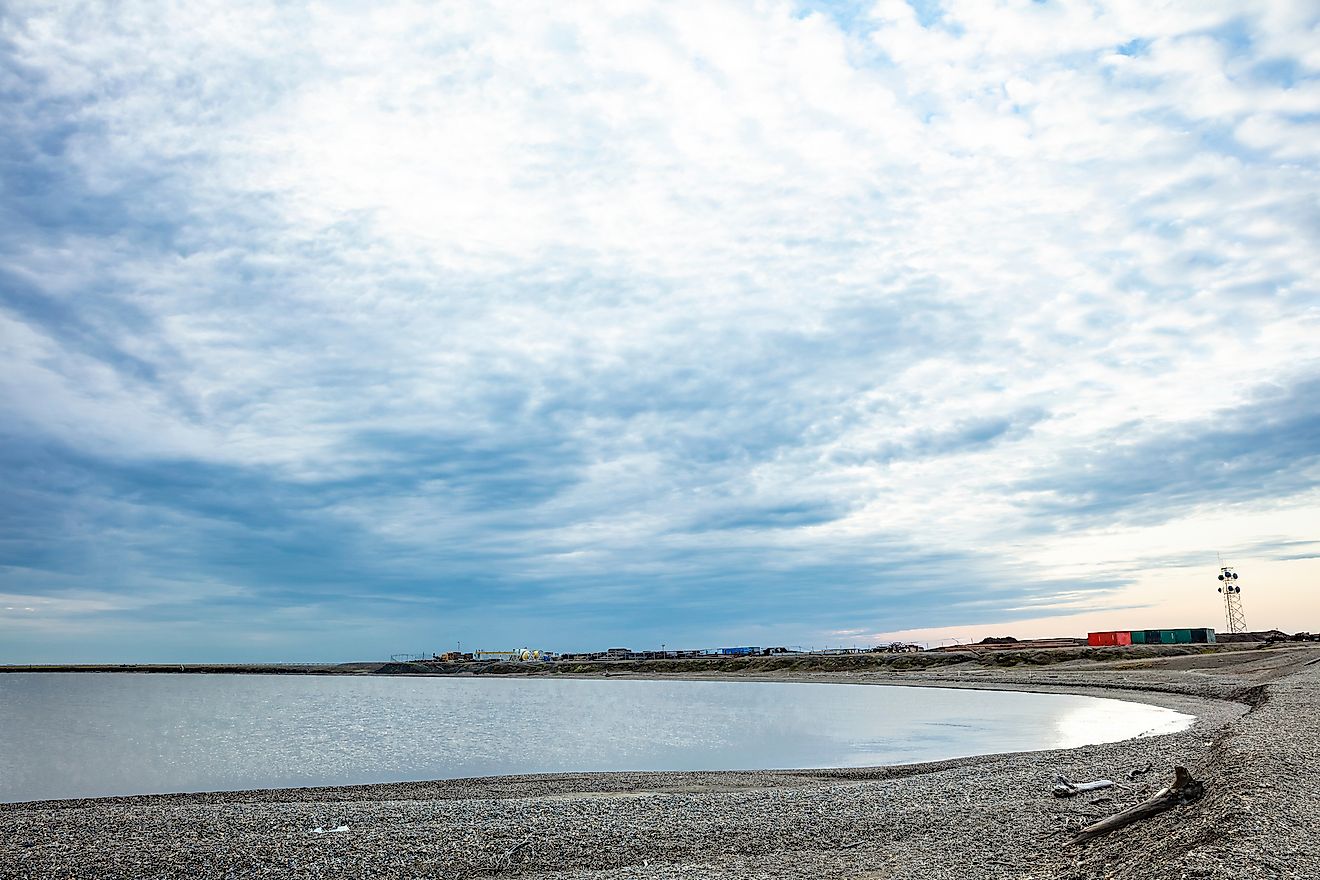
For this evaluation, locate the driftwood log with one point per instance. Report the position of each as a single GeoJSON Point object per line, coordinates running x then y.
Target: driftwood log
{"type": "Point", "coordinates": [1183, 790]}
{"type": "Point", "coordinates": [1064, 787]}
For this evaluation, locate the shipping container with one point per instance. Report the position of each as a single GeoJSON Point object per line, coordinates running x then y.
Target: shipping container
{"type": "Point", "coordinates": [1199, 636]}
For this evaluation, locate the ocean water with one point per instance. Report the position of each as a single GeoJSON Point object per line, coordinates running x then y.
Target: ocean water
{"type": "Point", "coordinates": [66, 735]}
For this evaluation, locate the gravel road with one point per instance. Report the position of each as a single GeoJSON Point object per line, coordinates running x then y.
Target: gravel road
{"type": "Point", "coordinates": [983, 817]}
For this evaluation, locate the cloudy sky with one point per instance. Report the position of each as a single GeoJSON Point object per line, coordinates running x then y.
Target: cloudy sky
{"type": "Point", "coordinates": [336, 330]}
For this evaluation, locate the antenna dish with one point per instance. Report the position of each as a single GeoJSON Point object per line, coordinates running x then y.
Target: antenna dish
{"type": "Point", "coordinates": [1233, 617]}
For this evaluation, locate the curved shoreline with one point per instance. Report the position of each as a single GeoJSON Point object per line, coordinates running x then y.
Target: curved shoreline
{"type": "Point", "coordinates": [1179, 700]}
{"type": "Point", "coordinates": [980, 816]}
{"type": "Point", "coordinates": [1208, 714]}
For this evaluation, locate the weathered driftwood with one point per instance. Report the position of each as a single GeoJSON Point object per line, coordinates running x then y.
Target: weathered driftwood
{"type": "Point", "coordinates": [1183, 790]}
{"type": "Point", "coordinates": [1064, 787]}
{"type": "Point", "coordinates": [507, 859]}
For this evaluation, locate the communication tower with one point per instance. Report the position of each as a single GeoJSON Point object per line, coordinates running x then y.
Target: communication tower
{"type": "Point", "coordinates": [1232, 594]}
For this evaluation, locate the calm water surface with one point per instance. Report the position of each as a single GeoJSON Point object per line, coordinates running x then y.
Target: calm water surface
{"type": "Point", "coordinates": [83, 735]}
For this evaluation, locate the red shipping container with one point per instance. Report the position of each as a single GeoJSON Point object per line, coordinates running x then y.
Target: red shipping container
{"type": "Point", "coordinates": [1102, 639]}
{"type": "Point", "coordinates": [1123, 638]}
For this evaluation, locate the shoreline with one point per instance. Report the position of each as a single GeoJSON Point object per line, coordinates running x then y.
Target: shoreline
{"type": "Point", "coordinates": [983, 816]}
{"type": "Point", "coordinates": [788, 664]}
{"type": "Point", "coordinates": [1208, 715]}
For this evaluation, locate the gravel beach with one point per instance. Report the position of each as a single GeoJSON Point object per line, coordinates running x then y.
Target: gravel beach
{"type": "Point", "coordinates": [1255, 746]}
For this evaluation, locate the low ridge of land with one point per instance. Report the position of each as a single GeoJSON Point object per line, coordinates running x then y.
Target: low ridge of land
{"type": "Point", "coordinates": [1255, 746]}
{"type": "Point", "coordinates": [787, 664]}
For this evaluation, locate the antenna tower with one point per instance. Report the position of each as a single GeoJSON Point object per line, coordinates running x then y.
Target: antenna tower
{"type": "Point", "coordinates": [1232, 594]}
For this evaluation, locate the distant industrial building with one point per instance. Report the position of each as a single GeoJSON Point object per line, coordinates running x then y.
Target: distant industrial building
{"type": "Point", "coordinates": [1198, 636]}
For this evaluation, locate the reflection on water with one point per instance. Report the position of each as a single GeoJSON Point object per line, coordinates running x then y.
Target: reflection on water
{"type": "Point", "coordinates": [82, 735]}
{"type": "Point", "coordinates": [1110, 720]}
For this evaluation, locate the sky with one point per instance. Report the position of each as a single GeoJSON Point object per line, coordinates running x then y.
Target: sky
{"type": "Point", "coordinates": [334, 330]}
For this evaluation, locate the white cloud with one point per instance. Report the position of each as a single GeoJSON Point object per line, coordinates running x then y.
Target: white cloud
{"type": "Point", "coordinates": [648, 232]}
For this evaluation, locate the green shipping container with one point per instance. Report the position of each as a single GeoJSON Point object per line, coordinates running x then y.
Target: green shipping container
{"type": "Point", "coordinates": [1182, 636]}
{"type": "Point", "coordinates": [1168, 637]}
{"type": "Point", "coordinates": [1138, 637]}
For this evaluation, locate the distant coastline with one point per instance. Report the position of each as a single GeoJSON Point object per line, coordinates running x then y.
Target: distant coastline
{"type": "Point", "coordinates": [783, 664]}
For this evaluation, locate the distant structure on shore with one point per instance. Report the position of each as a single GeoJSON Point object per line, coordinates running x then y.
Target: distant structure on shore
{"type": "Point", "coordinates": [1234, 620]}
{"type": "Point", "coordinates": [1124, 637]}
